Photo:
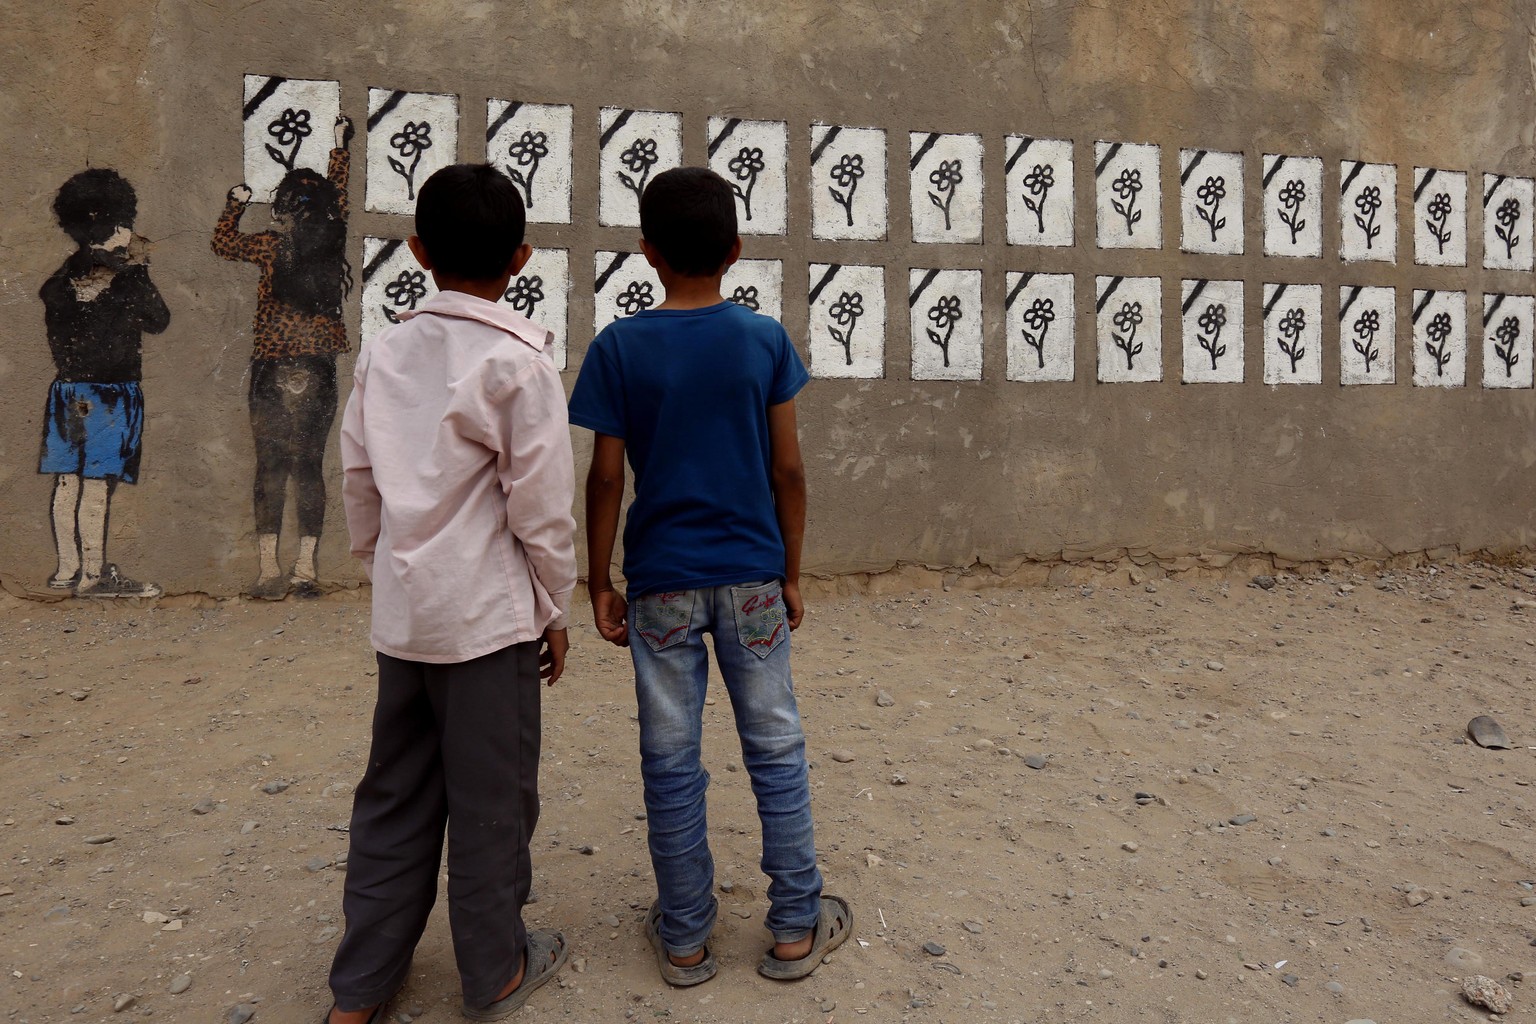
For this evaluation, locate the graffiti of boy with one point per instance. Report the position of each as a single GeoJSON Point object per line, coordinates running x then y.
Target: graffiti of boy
{"type": "Point", "coordinates": [97, 307]}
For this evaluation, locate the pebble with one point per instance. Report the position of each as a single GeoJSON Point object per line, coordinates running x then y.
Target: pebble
{"type": "Point", "coordinates": [1291, 980]}
{"type": "Point", "coordinates": [240, 1013]}
{"type": "Point", "coordinates": [1243, 819]}
{"type": "Point", "coordinates": [1201, 975]}
{"type": "Point", "coordinates": [586, 850]}
{"type": "Point", "coordinates": [1484, 991]}
{"type": "Point", "coordinates": [1264, 582]}
{"type": "Point", "coordinates": [1334, 987]}
{"type": "Point", "coordinates": [78, 695]}
{"type": "Point", "coordinates": [154, 917]}
{"type": "Point", "coordinates": [841, 755]}
{"type": "Point", "coordinates": [180, 984]}
{"type": "Point", "coordinates": [884, 700]}
{"type": "Point", "coordinates": [122, 1002]}
{"type": "Point", "coordinates": [974, 927]}
{"type": "Point", "coordinates": [1215, 666]}
{"type": "Point", "coordinates": [827, 1006]}
{"type": "Point", "coordinates": [933, 949]}
{"type": "Point", "coordinates": [272, 788]}
{"type": "Point", "coordinates": [249, 827]}
{"type": "Point", "coordinates": [319, 863]}
{"type": "Point", "coordinates": [100, 840]}
{"type": "Point", "coordinates": [64, 819]}
{"type": "Point", "coordinates": [1129, 847]}
{"type": "Point", "coordinates": [1528, 901]}
{"type": "Point", "coordinates": [204, 806]}
{"type": "Point", "coordinates": [1035, 761]}
{"type": "Point", "coordinates": [611, 921]}
{"type": "Point", "coordinates": [324, 935]}
{"type": "Point", "coordinates": [1418, 897]}
{"type": "Point", "coordinates": [983, 744]}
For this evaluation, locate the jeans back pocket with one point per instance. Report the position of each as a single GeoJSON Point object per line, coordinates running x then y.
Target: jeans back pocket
{"type": "Point", "coordinates": [761, 625]}
{"type": "Point", "coordinates": [663, 620]}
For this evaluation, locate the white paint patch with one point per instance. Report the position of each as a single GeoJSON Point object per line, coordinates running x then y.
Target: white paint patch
{"type": "Point", "coordinates": [848, 197]}
{"type": "Point", "coordinates": [1293, 334]}
{"type": "Point", "coordinates": [1211, 201]}
{"type": "Point", "coordinates": [633, 147]}
{"type": "Point", "coordinates": [1130, 329]}
{"type": "Point", "coordinates": [1293, 205]}
{"type": "Point", "coordinates": [410, 135]}
{"type": "Point", "coordinates": [1439, 217]}
{"type": "Point", "coordinates": [945, 314]}
{"type": "Point", "coordinates": [288, 123]}
{"type": "Point", "coordinates": [1128, 188]}
{"type": "Point", "coordinates": [1040, 321]}
{"type": "Point", "coordinates": [1038, 176]}
{"type": "Point", "coordinates": [1212, 321]}
{"type": "Point", "coordinates": [542, 293]}
{"type": "Point", "coordinates": [1368, 211]}
{"type": "Point", "coordinates": [393, 283]}
{"type": "Point", "coordinates": [1507, 223]}
{"type": "Point", "coordinates": [1508, 324]}
{"type": "Point", "coordinates": [754, 157]}
{"type": "Point", "coordinates": [1439, 339]}
{"type": "Point", "coordinates": [624, 285]}
{"type": "Point", "coordinates": [946, 187]}
{"type": "Point", "coordinates": [756, 284]}
{"type": "Point", "coordinates": [1367, 335]}
{"type": "Point", "coordinates": [531, 142]}
{"type": "Point", "coordinates": [847, 321]}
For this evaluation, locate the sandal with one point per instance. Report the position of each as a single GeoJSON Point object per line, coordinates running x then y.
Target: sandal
{"type": "Point", "coordinates": [832, 929]}
{"type": "Point", "coordinates": [674, 974]}
{"type": "Point", "coordinates": [376, 1017]}
{"type": "Point", "coordinates": [539, 969]}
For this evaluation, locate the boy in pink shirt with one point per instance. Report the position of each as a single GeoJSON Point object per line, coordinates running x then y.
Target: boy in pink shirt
{"type": "Point", "coordinates": [458, 490]}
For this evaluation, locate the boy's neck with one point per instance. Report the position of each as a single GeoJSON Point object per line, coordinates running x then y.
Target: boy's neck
{"type": "Point", "coordinates": [690, 292]}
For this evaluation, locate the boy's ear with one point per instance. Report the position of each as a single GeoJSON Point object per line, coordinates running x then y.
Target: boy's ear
{"type": "Point", "coordinates": [734, 255]}
{"type": "Point", "coordinates": [520, 259]}
{"type": "Point", "coordinates": [419, 250]}
{"type": "Point", "coordinates": [649, 252]}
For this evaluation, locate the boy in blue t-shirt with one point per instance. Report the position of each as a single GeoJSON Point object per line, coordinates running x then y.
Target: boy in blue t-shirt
{"type": "Point", "coordinates": [699, 392]}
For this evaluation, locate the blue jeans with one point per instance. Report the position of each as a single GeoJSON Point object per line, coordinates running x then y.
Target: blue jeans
{"type": "Point", "coordinates": [751, 640]}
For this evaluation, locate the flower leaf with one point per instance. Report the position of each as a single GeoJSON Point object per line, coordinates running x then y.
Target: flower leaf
{"type": "Point", "coordinates": [277, 154]}
{"type": "Point", "coordinates": [1221, 351]}
{"type": "Point", "coordinates": [1118, 208]}
{"type": "Point", "coordinates": [1136, 219]}
{"type": "Point", "coordinates": [1300, 224]}
{"type": "Point", "coordinates": [1030, 205]}
{"type": "Point", "coordinates": [1220, 224]}
{"type": "Point", "coordinates": [1360, 222]}
{"type": "Point", "coordinates": [838, 196]}
{"type": "Point", "coordinates": [629, 182]}
{"type": "Point", "coordinates": [935, 337]}
{"type": "Point", "coordinates": [837, 335]}
{"type": "Point", "coordinates": [398, 167]}
{"type": "Point", "coordinates": [1137, 350]}
{"type": "Point", "coordinates": [935, 200]}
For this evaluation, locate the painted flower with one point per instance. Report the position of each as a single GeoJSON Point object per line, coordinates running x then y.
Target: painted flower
{"type": "Point", "coordinates": [848, 307]}
{"type": "Point", "coordinates": [525, 293]}
{"type": "Point", "coordinates": [1130, 315]}
{"type": "Point", "coordinates": [1440, 206]}
{"type": "Point", "coordinates": [947, 175]}
{"type": "Point", "coordinates": [746, 163]}
{"type": "Point", "coordinates": [1041, 313]}
{"type": "Point", "coordinates": [1128, 184]}
{"type": "Point", "coordinates": [1040, 179]}
{"type": "Point", "coordinates": [412, 139]}
{"type": "Point", "coordinates": [637, 296]}
{"type": "Point", "coordinates": [1213, 191]}
{"type": "Point", "coordinates": [1214, 318]}
{"type": "Point", "coordinates": [1369, 199]}
{"type": "Point", "coordinates": [290, 126]}
{"type": "Point", "coordinates": [746, 295]}
{"type": "Point", "coordinates": [530, 148]}
{"type": "Point", "coordinates": [1368, 323]}
{"type": "Point", "coordinates": [945, 312]}
{"type": "Point", "coordinates": [1294, 193]}
{"type": "Point", "coordinates": [1508, 212]}
{"type": "Point", "coordinates": [408, 288]}
{"type": "Point", "coordinates": [1508, 329]}
{"type": "Point", "coordinates": [640, 155]}
{"type": "Point", "coordinates": [848, 169]}
{"type": "Point", "coordinates": [1439, 327]}
{"type": "Point", "coordinates": [1293, 323]}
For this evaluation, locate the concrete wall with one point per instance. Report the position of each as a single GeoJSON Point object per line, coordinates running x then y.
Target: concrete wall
{"type": "Point", "coordinates": [943, 472]}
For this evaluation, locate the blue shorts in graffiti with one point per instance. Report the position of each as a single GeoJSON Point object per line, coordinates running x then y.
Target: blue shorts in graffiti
{"type": "Point", "coordinates": [93, 430]}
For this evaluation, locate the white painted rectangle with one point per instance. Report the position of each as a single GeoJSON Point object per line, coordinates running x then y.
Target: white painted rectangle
{"type": "Point", "coordinates": [754, 157]}
{"type": "Point", "coordinates": [1293, 334]}
{"type": "Point", "coordinates": [1508, 324]}
{"type": "Point", "coordinates": [757, 285]}
{"type": "Point", "coordinates": [1439, 339]}
{"type": "Point", "coordinates": [410, 135]}
{"type": "Point", "coordinates": [1038, 176]}
{"type": "Point", "coordinates": [633, 147]}
{"type": "Point", "coordinates": [1211, 201]}
{"type": "Point", "coordinates": [1040, 320]}
{"type": "Point", "coordinates": [289, 123]}
{"type": "Point", "coordinates": [541, 291]}
{"type": "Point", "coordinates": [1367, 335]}
{"type": "Point", "coordinates": [531, 142]}
{"type": "Point", "coordinates": [1507, 223]}
{"type": "Point", "coordinates": [848, 193]}
{"type": "Point", "coordinates": [393, 283]}
{"type": "Point", "coordinates": [1130, 329]}
{"type": "Point", "coordinates": [945, 315]}
{"type": "Point", "coordinates": [1212, 320]}
{"type": "Point", "coordinates": [847, 321]}
{"type": "Point", "coordinates": [1368, 211]}
{"type": "Point", "coordinates": [1128, 191]}
{"type": "Point", "coordinates": [946, 187]}
{"type": "Point", "coordinates": [1439, 217]}
{"type": "Point", "coordinates": [1293, 205]}
{"type": "Point", "coordinates": [624, 285]}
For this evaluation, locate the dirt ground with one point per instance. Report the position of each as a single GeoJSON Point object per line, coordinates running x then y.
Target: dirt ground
{"type": "Point", "coordinates": [1386, 859]}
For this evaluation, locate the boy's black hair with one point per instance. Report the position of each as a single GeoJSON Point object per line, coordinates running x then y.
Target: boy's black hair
{"type": "Point", "coordinates": [470, 219]}
{"type": "Point", "coordinates": [95, 203]}
{"type": "Point", "coordinates": [689, 215]}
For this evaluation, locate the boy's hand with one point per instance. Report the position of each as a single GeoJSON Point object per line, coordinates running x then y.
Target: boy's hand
{"type": "Point", "coordinates": [794, 604]}
{"type": "Point", "coordinates": [343, 131]}
{"type": "Point", "coordinates": [610, 611]}
{"type": "Point", "coordinates": [552, 654]}
{"type": "Point", "coordinates": [240, 194]}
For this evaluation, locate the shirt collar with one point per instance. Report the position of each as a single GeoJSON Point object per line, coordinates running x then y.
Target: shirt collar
{"type": "Point", "coordinates": [469, 307]}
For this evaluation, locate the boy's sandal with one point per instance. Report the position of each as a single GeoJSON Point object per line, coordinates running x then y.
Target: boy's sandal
{"type": "Point", "coordinates": [832, 929]}
{"type": "Point", "coordinates": [376, 1017]}
{"type": "Point", "coordinates": [671, 973]}
{"type": "Point", "coordinates": [546, 955]}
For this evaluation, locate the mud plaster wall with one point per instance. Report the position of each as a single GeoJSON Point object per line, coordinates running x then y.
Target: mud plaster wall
{"type": "Point", "coordinates": [944, 472]}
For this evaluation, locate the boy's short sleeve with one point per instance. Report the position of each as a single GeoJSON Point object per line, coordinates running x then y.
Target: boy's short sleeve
{"type": "Point", "coordinates": [789, 374]}
{"type": "Point", "coordinates": [597, 401]}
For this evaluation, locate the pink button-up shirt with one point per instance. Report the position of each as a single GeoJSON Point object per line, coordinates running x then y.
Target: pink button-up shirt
{"type": "Point", "coordinates": [459, 481]}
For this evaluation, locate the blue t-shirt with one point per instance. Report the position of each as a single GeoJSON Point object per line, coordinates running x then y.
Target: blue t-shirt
{"type": "Point", "coordinates": [688, 391]}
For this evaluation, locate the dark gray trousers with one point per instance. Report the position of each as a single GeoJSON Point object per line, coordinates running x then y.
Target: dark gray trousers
{"type": "Point", "coordinates": [455, 746]}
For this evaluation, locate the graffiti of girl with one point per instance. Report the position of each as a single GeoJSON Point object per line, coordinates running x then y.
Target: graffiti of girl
{"type": "Point", "coordinates": [97, 307]}
{"type": "Point", "coordinates": [299, 332]}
